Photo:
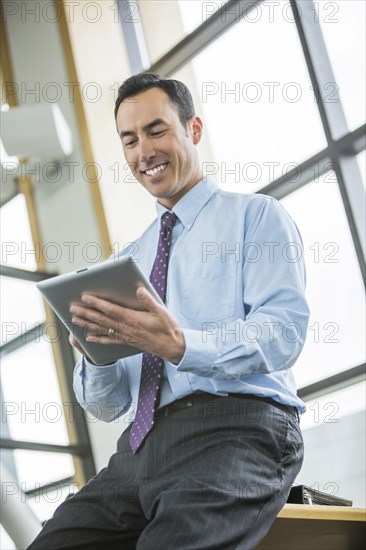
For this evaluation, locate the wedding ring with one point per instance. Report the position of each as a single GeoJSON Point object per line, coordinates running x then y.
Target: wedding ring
{"type": "Point", "coordinates": [111, 331]}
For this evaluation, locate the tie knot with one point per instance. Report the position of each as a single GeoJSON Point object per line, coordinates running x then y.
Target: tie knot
{"type": "Point", "coordinates": [168, 221]}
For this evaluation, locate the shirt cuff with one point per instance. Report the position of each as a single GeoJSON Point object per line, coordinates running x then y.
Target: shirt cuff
{"type": "Point", "coordinates": [88, 361]}
{"type": "Point", "coordinates": [199, 355]}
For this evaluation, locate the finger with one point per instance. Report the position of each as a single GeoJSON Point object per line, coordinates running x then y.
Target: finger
{"type": "Point", "coordinates": [75, 344]}
{"type": "Point", "coordinates": [122, 334]}
{"type": "Point", "coordinates": [92, 321]}
{"type": "Point", "coordinates": [80, 314]}
{"type": "Point", "coordinates": [108, 308]}
{"type": "Point", "coordinates": [102, 327]}
{"type": "Point", "coordinates": [90, 328]}
{"type": "Point", "coordinates": [108, 328]}
{"type": "Point", "coordinates": [104, 339]}
{"type": "Point", "coordinates": [73, 341]}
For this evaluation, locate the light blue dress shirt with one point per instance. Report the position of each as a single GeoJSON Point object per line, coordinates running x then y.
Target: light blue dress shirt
{"type": "Point", "coordinates": [236, 285]}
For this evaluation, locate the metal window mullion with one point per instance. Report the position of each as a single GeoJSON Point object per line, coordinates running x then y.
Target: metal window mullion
{"type": "Point", "coordinates": [134, 36]}
{"type": "Point", "coordinates": [333, 383]}
{"type": "Point", "coordinates": [320, 70]}
{"type": "Point", "coordinates": [333, 120]}
{"type": "Point", "coordinates": [230, 13]}
{"type": "Point", "coordinates": [78, 420]}
{"type": "Point", "coordinates": [7, 456]}
{"type": "Point", "coordinates": [32, 335]}
{"type": "Point", "coordinates": [53, 485]}
{"type": "Point", "coordinates": [14, 444]}
{"type": "Point", "coordinates": [317, 165]}
{"type": "Point", "coordinates": [312, 168]}
{"type": "Point", "coordinates": [24, 274]}
{"type": "Point", "coordinates": [352, 143]}
{"type": "Point", "coordinates": [353, 195]}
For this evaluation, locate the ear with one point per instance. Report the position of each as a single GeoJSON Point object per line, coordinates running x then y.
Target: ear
{"type": "Point", "coordinates": [196, 126]}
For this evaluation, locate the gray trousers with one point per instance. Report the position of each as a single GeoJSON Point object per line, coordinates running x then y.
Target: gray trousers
{"type": "Point", "coordinates": [212, 474]}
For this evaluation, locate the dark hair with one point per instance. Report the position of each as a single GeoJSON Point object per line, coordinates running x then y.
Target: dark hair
{"type": "Point", "coordinates": [176, 90]}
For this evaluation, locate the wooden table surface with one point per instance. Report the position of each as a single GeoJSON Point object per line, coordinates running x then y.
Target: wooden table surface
{"type": "Point", "coordinates": [304, 527]}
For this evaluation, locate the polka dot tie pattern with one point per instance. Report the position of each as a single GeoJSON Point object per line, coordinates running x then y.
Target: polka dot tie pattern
{"type": "Point", "coordinates": [152, 366]}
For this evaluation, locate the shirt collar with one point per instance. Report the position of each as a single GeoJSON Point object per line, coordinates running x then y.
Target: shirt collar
{"type": "Point", "coordinates": [190, 205]}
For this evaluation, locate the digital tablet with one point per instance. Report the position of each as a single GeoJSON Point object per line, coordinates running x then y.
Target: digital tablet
{"type": "Point", "coordinates": [113, 280]}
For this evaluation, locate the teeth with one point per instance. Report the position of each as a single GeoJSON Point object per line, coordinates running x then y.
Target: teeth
{"type": "Point", "coordinates": [155, 170]}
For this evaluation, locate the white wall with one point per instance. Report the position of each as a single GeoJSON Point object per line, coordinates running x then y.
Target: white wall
{"type": "Point", "coordinates": [101, 57]}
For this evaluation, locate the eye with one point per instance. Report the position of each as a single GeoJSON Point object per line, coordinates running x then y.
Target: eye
{"type": "Point", "coordinates": [158, 133]}
{"type": "Point", "coordinates": [130, 143]}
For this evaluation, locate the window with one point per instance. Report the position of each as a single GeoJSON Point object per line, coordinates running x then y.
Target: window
{"type": "Point", "coordinates": [20, 315]}
{"type": "Point", "coordinates": [361, 158]}
{"type": "Point", "coordinates": [330, 408]}
{"type": "Point", "coordinates": [335, 339]}
{"type": "Point", "coordinates": [36, 415]}
{"type": "Point", "coordinates": [32, 413]}
{"type": "Point", "coordinates": [17, 248]}
{"type": "Point", "coordinates": [195, 13]}
{"type": "Point", "coordinates": [260, 116]}
{"type": "Point", "coordinates": [184, 16]}
{"type": "Point", "coordinates": [347, 55]}
{"type": "Point", "coordinates": [334, 436]}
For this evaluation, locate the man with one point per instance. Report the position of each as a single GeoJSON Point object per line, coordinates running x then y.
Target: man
{"type": "Point", "coordinates": [215, 444]}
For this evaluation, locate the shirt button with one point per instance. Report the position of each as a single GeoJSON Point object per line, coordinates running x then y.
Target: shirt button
{"type": "Point", "coordinates": [177, 376]}
{"type": "Point", "coordinates": [188, 226]}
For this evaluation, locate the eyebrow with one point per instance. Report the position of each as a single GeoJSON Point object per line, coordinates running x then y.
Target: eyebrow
{"type": "Point", "coordinates": [146, 128]}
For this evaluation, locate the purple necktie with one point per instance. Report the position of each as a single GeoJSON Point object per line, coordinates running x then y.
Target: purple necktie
{"type": "Point", "coordinates": [152, 365]}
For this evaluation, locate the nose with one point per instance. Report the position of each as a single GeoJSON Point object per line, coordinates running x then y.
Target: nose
{"type": "Point", "coordinates": [146, 149]}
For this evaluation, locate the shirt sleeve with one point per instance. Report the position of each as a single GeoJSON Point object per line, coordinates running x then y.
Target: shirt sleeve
{"type": "Point", "coordinates": [272, 332]}
{"type": "Point", "coordinates": [103, 391]}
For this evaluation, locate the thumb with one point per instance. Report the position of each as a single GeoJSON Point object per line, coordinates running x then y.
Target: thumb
{"type": "Point", "coordinates": [146, 299]}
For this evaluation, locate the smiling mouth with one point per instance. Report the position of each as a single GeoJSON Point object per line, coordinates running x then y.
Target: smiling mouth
{"type": "Point", "coordinates": [157, 170]}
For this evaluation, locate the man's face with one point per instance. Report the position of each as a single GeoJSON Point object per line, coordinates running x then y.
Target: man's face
{"type": "Point", "coordinates": [161, 153]}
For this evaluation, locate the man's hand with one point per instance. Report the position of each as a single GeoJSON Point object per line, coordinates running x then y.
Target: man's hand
{"type": "Point", "coordinates": [75, 344]}
{"type": "Point", "coordinates": [154, 330]}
